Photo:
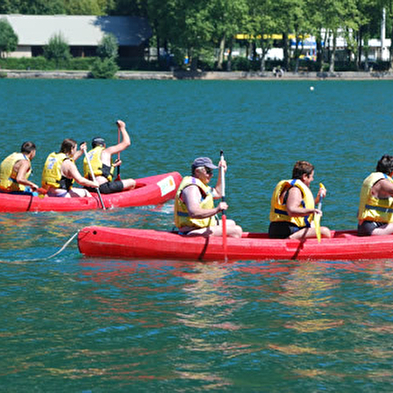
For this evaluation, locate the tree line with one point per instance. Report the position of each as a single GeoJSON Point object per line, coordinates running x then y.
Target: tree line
{"type": "Point", "coordinates": [207, 29]}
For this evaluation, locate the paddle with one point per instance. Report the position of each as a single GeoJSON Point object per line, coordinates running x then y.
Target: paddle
{"type": "Point", "coordinates": [94, 178]}
{"type": "Point", "coordinates": [118, 154]}
{"type": "Point", "coordinates": [317, 217]}
{"type": "Point", "coordinates": [223, 217]}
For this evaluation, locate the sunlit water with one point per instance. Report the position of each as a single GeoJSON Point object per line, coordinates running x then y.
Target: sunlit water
{"type": "Point", "coordinates": [78, 324]}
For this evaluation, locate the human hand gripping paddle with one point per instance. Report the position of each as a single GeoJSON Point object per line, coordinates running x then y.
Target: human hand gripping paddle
{"type": "Point", "coordinates": [317, 217]}
{"type": "Point", "coordinates": [223, 217]}
{"type": "Point", "coordinates": [93, 177]}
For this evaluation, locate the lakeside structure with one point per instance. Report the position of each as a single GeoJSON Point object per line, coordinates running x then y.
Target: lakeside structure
{"type": "Point", "coordinates": [82, 33]}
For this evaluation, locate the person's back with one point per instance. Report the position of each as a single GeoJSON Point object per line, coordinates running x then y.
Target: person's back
{"type": "Point", "coordinates": [375, 214]}
{"type": "Point", "coordinates": [60, 172]}
{"type": "Point", "coordinates": [15, 170]}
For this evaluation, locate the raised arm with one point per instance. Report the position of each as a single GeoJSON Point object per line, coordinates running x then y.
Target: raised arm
{"type": "Point", "coordinates": [217, 191]}
{"type": "Point", "coordinates": [126, 141]}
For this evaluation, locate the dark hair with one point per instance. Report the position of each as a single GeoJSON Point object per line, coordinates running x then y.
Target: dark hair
{"type": "Point", "coordinates": [67, 146]}
{"type": "Point", "coordinates": [27, 147]}
{"type": "Point", "coordinates": [385, 164]}
{"type": "Point", "coordinates": [302, 168]}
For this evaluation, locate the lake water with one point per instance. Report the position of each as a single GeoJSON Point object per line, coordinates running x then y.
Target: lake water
{"type": "Point", "coordinates": [78, 324]}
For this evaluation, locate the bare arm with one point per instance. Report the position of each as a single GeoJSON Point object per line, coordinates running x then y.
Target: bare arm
{"type": "Point", "coordinates": [191, 197]}
{"type": "Point", "coordinates": [24, 167]}
{"type": "Point", "coordinates": [79, 152]}
{"type": "Point", "coordinates": [126, 142]}
{"type": "Point", "coordinates": [217, 190]}
{"type": "Point", "coordinates": [293, 204]}
{"type": "Point", "coordinates": [382, 189]}
{"type": "Point", "coordinates": [69, 170]}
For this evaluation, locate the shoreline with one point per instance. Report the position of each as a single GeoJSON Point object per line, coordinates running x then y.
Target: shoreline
{"type": "Point", "coordinates": [200, 75]}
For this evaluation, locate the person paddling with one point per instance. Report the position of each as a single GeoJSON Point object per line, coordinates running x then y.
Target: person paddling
{"type": "Point", "coordinates": [60, 172]}
{"type": "Point", "coordinates": [293, 206]}
{"type": "Point", "coordinates": [375, 213]}
{"type": "Point", "coordinates": [16, 169]}
{"type": "Point", "coordinates": [195, 213]}
{"type": "Point", "coordinates": [101, 162]}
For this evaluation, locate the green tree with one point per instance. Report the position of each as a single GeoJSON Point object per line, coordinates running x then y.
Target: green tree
{"type": "Point", "coordinates": [262, 25]}
{"type": "Point", "coordinates": [229, 18]}
{"type": "Point", "coordinates": [57, 49]}
{"type": "Point", "coordinates": [41, 7]}
{"type": "Point", "coordinates": [85, 7]}
{"type": "Point", "coordinates": [8, 37]}
{"type": "Point", "coordinates": [108, 47]}
{"type": "Point", "coordinates": [105, 68]}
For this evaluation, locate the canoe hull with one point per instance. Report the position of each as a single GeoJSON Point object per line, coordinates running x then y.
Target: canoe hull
{"type": "Point", "coordinates": [151, 190]}
{"type": "Point", "coordinates": [137, 243]}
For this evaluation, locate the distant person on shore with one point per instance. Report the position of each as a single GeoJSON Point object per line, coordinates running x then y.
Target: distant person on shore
{"type": "Point", "coordinates": [375, 213]}
{"type": "Point", "coordinates": [293, 206]}
{"type": "Point", "coordinates": [60, 172]}
{"type": "Point", "coordinates": [16, 169]}
{"type": "Point", "coordinates": [195, 213]}
{"type": "Point", "coordinates": [101, 162]}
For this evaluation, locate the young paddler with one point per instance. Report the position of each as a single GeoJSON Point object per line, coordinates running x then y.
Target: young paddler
{"type": "Point", "coordinates": [101, 162]}
{"type": "Point", "coordinates": [16, 169]}
{"type": "Point", "coordinates": [293, 206]}
{"type": "Point", "coordinates": [60, 172]}
{"type": "Point", "coordinates": [375, 213]}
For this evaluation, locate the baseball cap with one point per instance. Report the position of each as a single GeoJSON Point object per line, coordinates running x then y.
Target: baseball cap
{"type": "Point", "coordinates": [98, 141]}
{"type": "Point", "coordinates": [203, 161]}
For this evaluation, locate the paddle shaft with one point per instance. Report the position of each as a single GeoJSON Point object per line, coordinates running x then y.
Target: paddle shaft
{"type": "Point", "coordinates": [94, 178]}
{"type": "Point", "coordinates": [223, 217]}
{"type": "Point", "coordinates": [118, 154]}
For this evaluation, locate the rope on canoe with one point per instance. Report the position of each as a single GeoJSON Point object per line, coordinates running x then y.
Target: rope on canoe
{"type": "Point", "coordinates": [65, 245]}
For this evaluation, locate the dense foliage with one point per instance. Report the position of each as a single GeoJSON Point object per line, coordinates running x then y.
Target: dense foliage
{"type": "Point", "coordinates": [8, 38]}
{"type": "Point", "coordinates": [205, 29]}
{"type": "Point", "coordinates": [57, 50]}
{"type": "Point", "coordinates": [108, 47]}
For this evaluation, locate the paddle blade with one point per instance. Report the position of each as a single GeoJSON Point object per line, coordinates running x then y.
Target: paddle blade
{"type": "Point", "coordinates": [317, 224]}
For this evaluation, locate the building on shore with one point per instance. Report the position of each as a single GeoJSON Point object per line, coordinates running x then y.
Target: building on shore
{"type": "Point", "coordinates": [82, 33]}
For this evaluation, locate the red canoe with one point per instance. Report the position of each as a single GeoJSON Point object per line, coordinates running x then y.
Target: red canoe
{"type": "Point", "coordinates": [149, 191]}
{"type": "Point", "coordinates": [139, 243]}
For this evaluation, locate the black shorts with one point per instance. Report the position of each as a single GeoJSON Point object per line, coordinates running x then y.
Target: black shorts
{"type": "Point", "coordinates": [367, 227]}
{"type": "Point", "coordinates": [282, 229]}
{"type": "Point", "coordinates": [109, 187]}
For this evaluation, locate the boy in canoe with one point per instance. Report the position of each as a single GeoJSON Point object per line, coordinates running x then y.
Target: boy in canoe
{"type": "Point", "coordinates": [16, 169]}
{"type": "Point", "coordinates": [293, 206]}
{"type": "Point", "coordinates": [101, 162]}
{"type": "Point", "coordinates": [375, 213]}
{"type": "Point", "coordinates": [195, 214]}
{"type": "Point", "coordinates": [60, 172]}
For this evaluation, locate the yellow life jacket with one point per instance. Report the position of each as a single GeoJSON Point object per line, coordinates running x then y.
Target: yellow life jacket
{"type": "Point", "coordinates": [278, 209]}
{"type": "Point", "coordinates": [99, 169]}
{"type": "Point", "coordinates": [372, 208]}
{"type": "Point", "coordinates": [51, 174]}
{"type": "Point", "coordinates": [8, 174]}
{"type": "Point", "coordinates": [182, 218]}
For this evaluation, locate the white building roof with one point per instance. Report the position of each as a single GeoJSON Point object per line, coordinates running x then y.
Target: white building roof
{"type": "Point", "coordinates": [79, 30]}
